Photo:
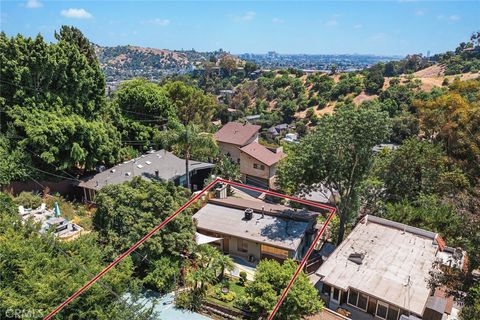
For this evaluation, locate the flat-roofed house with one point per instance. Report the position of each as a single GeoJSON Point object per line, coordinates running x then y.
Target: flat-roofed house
{"type": "Point", "coordinates": [155, 165]}
{"type": "Point", "coordinates": [381, 271]}
{"type": "Point", "coordinates": [256, 230]}
{"type": "Point", "coordinates": [233, 136]}
{"type": "Point", "coordinates": [258, 164]}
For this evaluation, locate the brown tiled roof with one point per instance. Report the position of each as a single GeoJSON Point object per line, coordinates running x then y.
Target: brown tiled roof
{"type": "Point", "coordinates": [263, 154]}
{"type": "Point", "coordinates": [236, 133]}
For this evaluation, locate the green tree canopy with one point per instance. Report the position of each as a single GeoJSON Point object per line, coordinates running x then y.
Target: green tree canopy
{"type": "Point", "coordinates": [271, 278]}
{"type": "Point", "coordinates": [191, 104]}
{"type": "Point", "coordinates": [128, 211]}
{"type": "Point", "coordinates": [338, 154]}
{"type": "Point", "coordinates": [418, 167]}
{"type": "Point", "coordinates": [144, 100]}
{"type": "Point", "coordinates": [37, 275]}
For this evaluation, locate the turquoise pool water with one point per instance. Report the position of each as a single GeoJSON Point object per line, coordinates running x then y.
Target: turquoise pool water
{"type": "Point", "coordinates": [165, 308]}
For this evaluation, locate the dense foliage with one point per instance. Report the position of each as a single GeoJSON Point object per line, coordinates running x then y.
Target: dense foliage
{"type": "Point", "coordinates": [126, 212]}
{"type": "Point", "coordinates": [271, 278]}
{"type": "Point", "coordinates": [338, 154]}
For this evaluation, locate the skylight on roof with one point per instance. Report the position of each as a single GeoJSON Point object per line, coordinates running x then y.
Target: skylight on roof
{"type": "Point", "coordinates": [139, 166]}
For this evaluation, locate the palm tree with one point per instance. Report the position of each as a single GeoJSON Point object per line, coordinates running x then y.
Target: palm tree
{"type": "Point", "coordinates": [188, 140]}
{"type": "Point", "coordinates": [224, 262]}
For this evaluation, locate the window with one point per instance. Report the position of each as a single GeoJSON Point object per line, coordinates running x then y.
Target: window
{"type": "Point", "coordinates": [255, 166]}
{"type": "Point", "coordinates": [357, 299]}
{"type": "Point", "coordinates": [336, 295]}
{"type": "Point", "coordinates": [262, 167]}
{"type": "Point", "coordinates": [242, 245]}
{"type": "Point", "coordinates": [393, 313]}
{"type": "Point", "coordinates": [258, 166]}
{"type": "Point", "coordinates": [352, 297]}
{"type": "Point", "coordinates": [382, 310]}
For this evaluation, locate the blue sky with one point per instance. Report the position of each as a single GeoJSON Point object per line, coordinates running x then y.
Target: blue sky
{"type": "Point", "coordinates": [382, 27]}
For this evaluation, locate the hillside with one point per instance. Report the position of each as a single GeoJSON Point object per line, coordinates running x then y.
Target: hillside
{"type": "Point", "coordinates": [126, 62]}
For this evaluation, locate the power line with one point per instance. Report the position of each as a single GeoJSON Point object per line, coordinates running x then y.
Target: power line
{"type": "Point", "coordinates": [58, 96]}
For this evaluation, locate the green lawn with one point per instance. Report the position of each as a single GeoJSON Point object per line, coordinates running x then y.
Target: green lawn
{"type": "Point", "coordinates": [232, 286]}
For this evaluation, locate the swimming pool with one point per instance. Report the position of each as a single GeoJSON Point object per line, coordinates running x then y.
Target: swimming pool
{"type": "Point", "coordinates": [165, 308]}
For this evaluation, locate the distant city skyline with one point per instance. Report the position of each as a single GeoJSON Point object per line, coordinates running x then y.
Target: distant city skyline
{"type": "Point", "coordinates": [356, 27]}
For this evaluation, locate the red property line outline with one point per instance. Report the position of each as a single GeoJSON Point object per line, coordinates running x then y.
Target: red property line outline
{"type": "Point", "coordinates": [185, 206]}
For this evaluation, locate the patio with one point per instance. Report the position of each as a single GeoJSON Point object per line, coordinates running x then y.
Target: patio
{"type": "Point", "coordinates": [354, 312]}
{"type": "Point", "coordinates": [243, 265]}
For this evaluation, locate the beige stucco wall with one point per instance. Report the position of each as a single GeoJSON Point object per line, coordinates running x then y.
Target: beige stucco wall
{"type": "Point", "coordinates": [253, 249]}
{"type": "Point", "coordinates": [246, 167]}
{"type": "Point", "coordinates": [234, 150]}
{"type": "Point", "coordinates": [230, 149]}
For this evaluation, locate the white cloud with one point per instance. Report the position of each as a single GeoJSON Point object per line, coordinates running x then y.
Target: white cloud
{"type": "Point", "coordinates": [419, 12]}
{"type": "Point", "coordinates": [358, 26]}
{"type": "Point", "coordinates": [248, 16]}
{"type": "Point", "coordinates": [278, 20]}
{"type": "Point", "coordinates": [159, 22]}
{"type": "Point", "coordinates": [331, 23]}
{"type": "Point", "coordinates": [34, 4]}
{"type": "Point", "coordinates": [76, 13]}
{"type": "Point", "coordinates": [451, 18]}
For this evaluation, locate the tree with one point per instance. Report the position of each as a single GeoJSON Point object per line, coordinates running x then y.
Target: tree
{"type": "Point", "coordinates": [75, 36]}
{"type": "Point", "coordinates": [189, 141]}
{"type": "Point", "coordinates": [271, 278]}
{"type": "Point", "coordinates": [7, 206]}
{"type": "Point", "coordinates": [53, 95]}
{"type": "Point", "coordinates": [11, 160]}
{"type": "Point", "coordinates": [422, 167]}
{"type": "Point", "coordinates": [163, 274]}
{"type": "Point", "coordinates": [228, 63]}
{"type": "Point", "coordinates": [338, 155]}
{"type": "Point", "coordinates": [126, 212]}
{"type": "Point", "coordinates": [374, 79]}
{"type": "Point", "coordinates": [453, 119]}
{"type": "Point", "coordinates": [41, 272]}
{"type": "Point", "coordinates": [191, 104]}
{"type": "Point", "coordinates": [141, 99]}
{"type": "Point", "coordinates": [427, 212]}
{"type": "Point", "coordinates": [223, 262]}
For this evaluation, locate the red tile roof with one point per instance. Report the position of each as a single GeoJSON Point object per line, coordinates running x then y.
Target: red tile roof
{"type": "Point", "coordinates": [262, 154]}
{"type": "Point", "coordinates": [236, 133]}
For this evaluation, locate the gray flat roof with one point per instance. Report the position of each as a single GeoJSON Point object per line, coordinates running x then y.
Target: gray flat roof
{"type": "Point", "coordinates": [275, 231]}
{"type": "Point", "coordinates": [168, 165]}
{"type": "Point", "coordinates": [396, 264]}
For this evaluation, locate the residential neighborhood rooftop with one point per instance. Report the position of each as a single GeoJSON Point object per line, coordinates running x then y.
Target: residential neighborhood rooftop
{"type": "Point", "coordinates": [162, 165]}
{"type": "Point", "coordinates": [262, 153]}
{"type": "Point", "coordinates": [236, 133]}
{"type": "Point", "coordinates": [271, 209]}
{"type": "Point", "coordinates": [266, 229]}
{"type": "Point", "coordinates": [385, 259]}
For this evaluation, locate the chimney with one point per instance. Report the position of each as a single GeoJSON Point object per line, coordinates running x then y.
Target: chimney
{"type": "Point", "coordinates": [157, 173]}
{"type": "Point", "coordinates": [263, 212]}
{"type": "Point", "coordinates": [248, 214]}
{"type": "Point", "coordinates": [221, 192]}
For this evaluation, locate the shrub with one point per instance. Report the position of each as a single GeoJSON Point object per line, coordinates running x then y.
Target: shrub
{"type": "Point", "coordinates": [225, 297]}
{"type": "Point", "coordinates": [243, 278]}
{"type": "Point", "coordinates": [191, 300]}
{"type": "Point", "coordinates": [28, 200]}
